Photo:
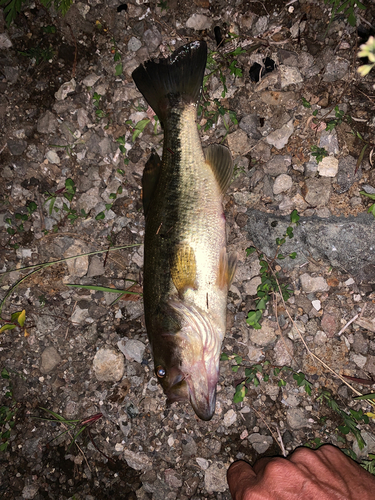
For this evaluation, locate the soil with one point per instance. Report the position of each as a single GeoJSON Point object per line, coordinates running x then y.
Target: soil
{"type": "Point", "coordinates": [70, 184]}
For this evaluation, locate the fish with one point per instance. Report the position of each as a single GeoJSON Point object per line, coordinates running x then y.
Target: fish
{"type": "Point", "coordinates": [187, 270]}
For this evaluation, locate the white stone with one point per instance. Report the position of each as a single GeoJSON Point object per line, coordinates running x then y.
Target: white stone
{"type": "Point", "coordinates": [328, 167]}
{"type": "Point", "coordinates": [317, 305]}
{"type": "Point", "coordinates": [283, 183]}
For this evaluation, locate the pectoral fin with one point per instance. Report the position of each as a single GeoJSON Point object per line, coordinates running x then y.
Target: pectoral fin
{"type": "Point", "coordinates": [220, 160]}
{"type": "Point", "coordinates": [149, 179]}
{"type": "Point", "coordinates": [227, 269]}
{"type": "Point", "coordinates": [183, 269]}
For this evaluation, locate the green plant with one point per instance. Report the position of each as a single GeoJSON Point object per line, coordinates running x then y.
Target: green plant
{"type": "Point", "coordinates": [369, 465]}
{"type": "Point", "coordinates": [269, 277]}
{"type": "Point", "coordinates": [68, 193]}
{"type": "Point", "coordinates": [350, 420]}
{"type": "Point", "coordinates": [13, 7]}
{"type": "Point", "coordinates": [38, 53]}
{"type": "Point", "coordinates": [367, 50]}
{"type": "Point", "coordinates": [7, 413]}
{"type": "Point", "coordinates": [17, 319]}
{"type": "Point", "coordinates": [163, 5]}
{"type": "Point", "coordinates": [98, 111]}
{"type": "Point", "coordinates": [345, 6]}
{"type": "Point", "coordinates": [121, 293]}
{"type": "Point", "coordinates": [371, 209]}
{"type": "Point", "coordinates": [318, 153]}
{"type": "Point", "coordinates": [116, 58]}
{"type": "Point", "coordinates": [340, 115]}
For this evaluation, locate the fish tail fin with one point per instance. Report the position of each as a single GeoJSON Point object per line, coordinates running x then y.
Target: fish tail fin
{"type": "Point", "coordinates": [172, 81]}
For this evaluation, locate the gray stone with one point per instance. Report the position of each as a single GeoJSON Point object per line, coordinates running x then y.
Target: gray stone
{"type": "Point", "coordinates": [53, 157]}
{"type": "Point", "coordinates": [215, 478]}
{"type": "Point", "coordinates": [78, 266]}
{"type": "Point", "coordinates": [283, 351]}
{"type": "Point", "coordinates": [318, 191]}
{"type": "Point", "coordinates": [11, 73]}
{"type": "Point", "coordinates": [277, 165]}
{"type": "Point", "coordinates": [132, 349]}
{"type": "Point", "coordinates": [328, 141]}
{"type": "Point", "coordinates": [5, 41]}
{"type": "Point", "coordinates": [334, 239]}
{"type": "Point", "coordinates": [230, 418]}
{"type": "Point", "coordinates": [138, 461]}
{"type": "Point", "coordinates": [65, 89]}
{"type": "Point", "coordinates": [87, 201]}
{"type": "Point", "coordinates": [358, 359]}
{"type": "Point", "coordinates": [108, 366]}
{"type": "Point", "coordinates": [289, 75]}
{"type": "Point", "coordinates": [16, 147]}
{"type": "Point", "coordinates": [29, 491]}
{"type": "Point", "coordinates": [279, 138]}
{"type": "Point", "coordinates": [250, 124]}
{"type": "Point", "coordinates": [260, 26]}
{"type": "Point", "coordinates": [238, 142]}
{"type": "Point", "coordinates": [173, 478]}
{"type": "Point", "coordinates": [282, 183]}
{"type": "Point", "coordinates": [79, 315]}
{"type": "Point", "coordinates": [47, 123]}
{"type": "Point", "coordinates": [360, 343]}
{"type": "Point", "coordinates": [152, 39]}
{"type": "Point", "coordinates": [91, 79]}
{"type": "Point", "coordinates": [336, 69]}
{"type": "Point", "coordinates": [251, 286]}
{"type": "Point", "coordinates": [199, 22]}
{"type": "Point", "coordinates": [50, 359]}
{"type": "Point", "coordinates": [296, 418]}
{"type": "Point", "coordinates": [260, 443]}
{"type": "Point", "coordinates": [266, 335]}
{"type": "Point", "coordinates": [132, 310]}
{"type": "Point", "coordinates": [312, 284]}
{"type": "Point", "coordinates": [369, 446]}
{"type": "Point", "coordinates": [96, 267]}
{"type": "Point", "coordinates": [346, 177]}
{"type": "Point", "coordinates": [368, 189]}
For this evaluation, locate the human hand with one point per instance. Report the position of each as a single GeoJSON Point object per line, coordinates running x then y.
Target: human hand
{"type": "Point", "coordinates": [322, 474]}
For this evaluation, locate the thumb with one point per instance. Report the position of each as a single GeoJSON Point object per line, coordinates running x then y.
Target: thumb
{"type": "Point", "coordinates": [241, 477]}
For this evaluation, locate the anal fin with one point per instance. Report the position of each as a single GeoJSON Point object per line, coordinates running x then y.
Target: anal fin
{"type": "Point", "coordinates": [183, 269]}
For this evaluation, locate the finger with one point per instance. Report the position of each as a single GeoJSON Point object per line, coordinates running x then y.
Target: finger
{"type": "Point", "coordinates": [240, 478]}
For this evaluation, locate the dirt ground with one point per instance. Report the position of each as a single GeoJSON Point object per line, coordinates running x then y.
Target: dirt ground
{"type": "Point", "coordinates": [82, 416]}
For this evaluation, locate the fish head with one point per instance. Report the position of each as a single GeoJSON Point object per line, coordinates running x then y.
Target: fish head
{"type": "Point", "coordinates": [187, 360]}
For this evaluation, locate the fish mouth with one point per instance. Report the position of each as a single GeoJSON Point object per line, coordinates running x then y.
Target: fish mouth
{"type": "Point", "coordinates": [201, 385]}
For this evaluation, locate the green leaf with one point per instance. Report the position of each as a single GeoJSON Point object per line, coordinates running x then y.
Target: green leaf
{"type": "Point", "coordinates": [100, 216]}
{"type": "Point", "coordinates": [7, 327]}
{"type": "Point", "coordinates": [371, 196]}
{"type": "Point", "coordinates": [139, 128]}
{"type": "Point", "coordinates": [281, 383]}
{"type": "Point", "coordinates": [293, 255]}
{"type": "Point", "coordinates": [238, 359]}
{"type": "Point", "coordinates": [366, 396]}
{"type": "Point", "coordinates": [70, 189]}
{"type": "Point", "coordinates": [305, 103]}
{"type": "Point", "coordinates": [22, 318]}
{"type": "Point", "coordinates": [118, 69]}
{"type": "Point", "coordinates": [5, 374]}
{"type": "Point", "coordinates": [240, 393]}
{"type": "Point", "coordinates": [32, 207]}
{"type": "Point", "coordinates": [250, 250]}
{"type": "Point", "coordinates": [294, 217]}
{"type": "Point", "coordinates": [235, 368]}
{"type": "Point", "coordinates": [23, 217]}
{"type": "Point", "coordinates": [224, 357]}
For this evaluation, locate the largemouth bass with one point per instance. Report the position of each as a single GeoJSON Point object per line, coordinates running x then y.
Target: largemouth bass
{"type": "Point", "coordinates": [187, 272]}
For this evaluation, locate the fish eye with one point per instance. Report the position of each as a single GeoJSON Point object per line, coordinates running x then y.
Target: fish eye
{"type": "Point", "coordinates": [160, 372]}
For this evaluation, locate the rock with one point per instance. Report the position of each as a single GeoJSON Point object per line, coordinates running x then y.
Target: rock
{"type": "Point", "coordinates": [283, 351]}
{"type": "Point", "coordinates": [296, 418]}
{"type": "Point", "coordinates": [90, 80]}
{"type": "Point", "coordinates": [260, 443]}
{"type": "Point", "coordinates": [77, 267]}
{"type": "Point", "coordinates": [108, 366]}
{"type": "Point", "coordinates": [215, 478]}
{"type": "Point", "coordinates": [277, 165]}
{"type": "Point", "coordinates": [250, 124]}
{"type": "Point", "coordinates": [79, 315]}
{"type": "Point", "coordinates": [328, 167]}
{"type": "Point", "coordinates": [87, 201]}
{"type": "Point", "coordinates": [5, 41]}
{"type": "Point", "coordinates": [358, 359]}
{"type": "Point", "coordinates": [345, 176]}
{"type": "Point", "coordinates": [312, 284]}
{"type": "Point", "coordinates": [96, 267]}
{"type": "Point", "coordinates": [53, 157]}
{"type": "Point", "coordinates": [29, 491]}
{"type": "Point", "coordinates": [50, 359]}
{"type": "Point", "coordinates": [297, 330]}
{"type": "Point", "coordinates": [65, 89]}
{"type": "Point", "coordinates": [132, 349]}
{"type": "Point", "coordinates": [370, 365]}
{"type": "Point", "coordinates": [266, 335]}
{"type": "Point", "coordinates": [318, 191]}
{"type": "Point", "coordinates": [189, 446]}
{"type": "Point", "coordinates": [16, 147]}
{"type": "Point", "coordinates": [282, 183]}
{"type": "Point", "coordinates": [47, 123]}
{"type": "Point", "coordinates": [360, 343]}
{"type": "Point", "coordinates": [134, 44]}
{"type": "Point", "coordinates": [328, 141]}
{"type": "Point", "coordinates": [289, 75]}
{"type": "Point", "coordinates": [203, 463]}
{"type": "Point", "coordinates": [369, 446]}
{"type": "Point", "coordinates": [330, 324]}
{"type": "Point", "coordinates": [199, 22]}
{"type": "Point", "coordinates": [238, 142]}
{"type": "Point", "coordinates": [173, 478]}
{"type": "Point", "coordinates": [317, 305]}
{"type": "Point", "coordinates": [279, 138]}
{"type": "Point", "coordinates": [138, 461]}
{"type": "Point", "coordinates": [251, 286]}
{"type": "Point", "coordinates": [336, 69]}
{"type": "Point", "coordinates": [152, 39]}
{"type": "Point", "coordinates": [230, 418]}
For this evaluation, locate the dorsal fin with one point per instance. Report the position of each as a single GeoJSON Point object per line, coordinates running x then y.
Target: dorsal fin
{"type": "Point", "coordinates": [220, 160]}
{"type": "Point", "coordinates": [150, 178]}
